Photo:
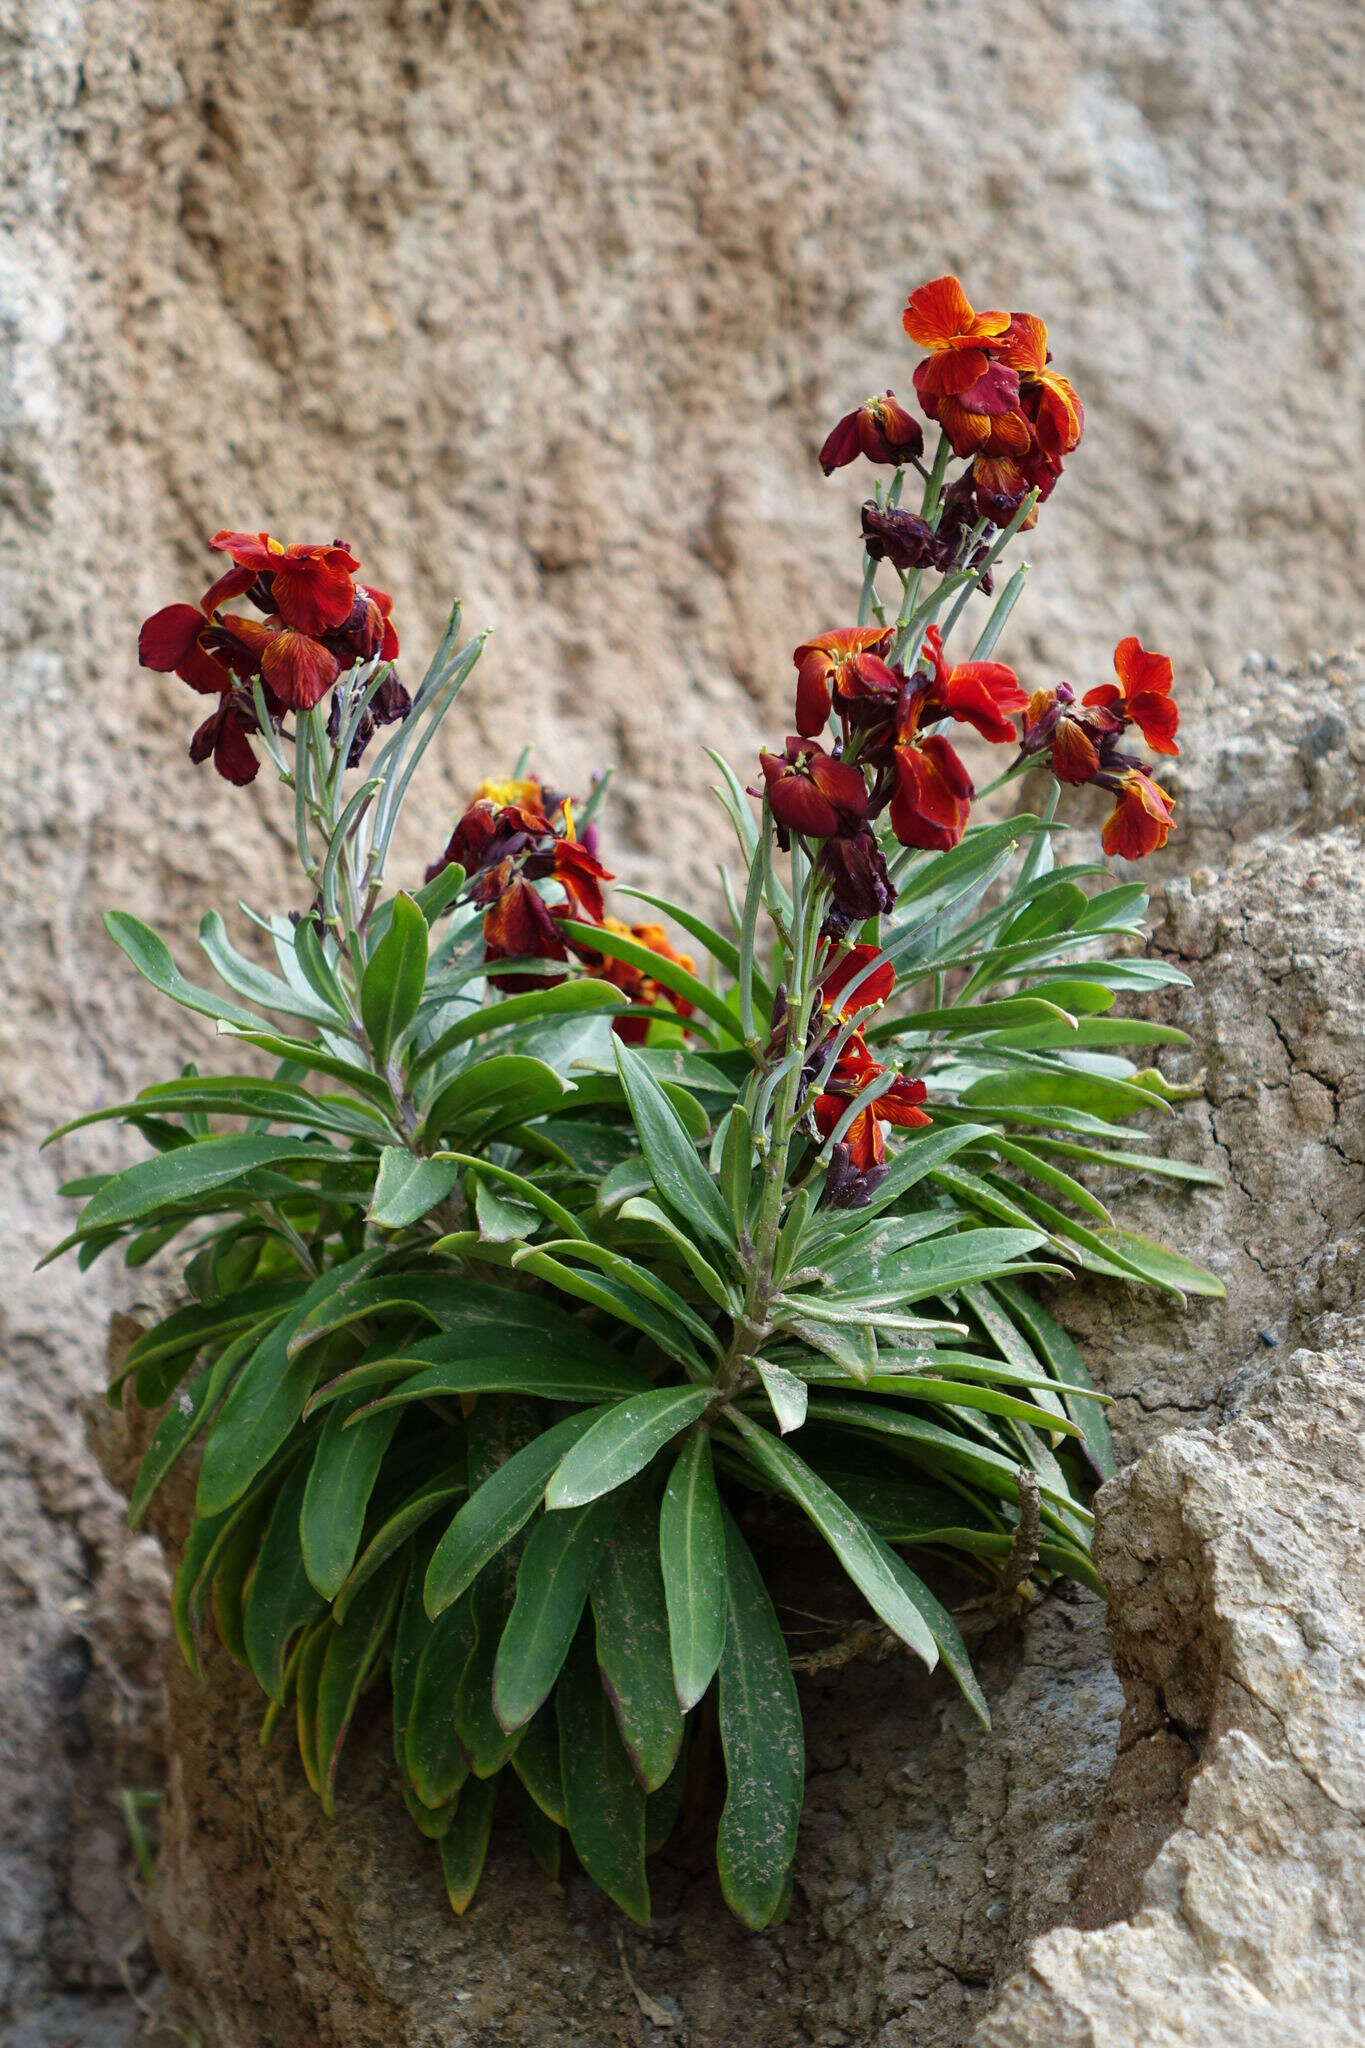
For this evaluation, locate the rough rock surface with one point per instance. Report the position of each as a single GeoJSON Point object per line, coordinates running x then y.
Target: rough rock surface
{"type": "Point", "coordinates": [551, 304]}
{"type": "Point", "coordinates": [1233, 1559]}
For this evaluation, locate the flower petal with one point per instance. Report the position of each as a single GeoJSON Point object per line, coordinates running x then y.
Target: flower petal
{"type": "Point", "coordinates": [168, 635]}
{"type": "Point", "coordinates": [299, 670]}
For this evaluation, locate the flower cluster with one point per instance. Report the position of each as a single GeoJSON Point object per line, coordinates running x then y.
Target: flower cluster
{"type": "Point", "coordinates": [1082, 743]}
{"type": "Point", "coordinates": [318, 623]}
{"type": "Point", "coordinates": [893, 693]}
{"type": "Point", "coordinates": [517, 835]}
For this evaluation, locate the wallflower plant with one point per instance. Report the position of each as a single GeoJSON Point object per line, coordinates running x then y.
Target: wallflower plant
{"type": "Point", "coordinates": [541, 1274]}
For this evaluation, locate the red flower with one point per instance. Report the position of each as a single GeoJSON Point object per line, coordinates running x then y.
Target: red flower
{"type": "Point", "coordinates": [869, 994]}
{"type": "Point", "coordinates": [960, 342]}
{"type": "Point", "coordinates": [579, 875]}
{"type": "Point", "coordinates": [854, 1070]}
{"type": "Point", "coordinates": [847, 665]}
{"type": "Point", "coordinates": [984, 417]}
{"type": "Point", "coordinates": [1141, 819]}
{"type": "Point", "coordinates": [880, 429]}
{"type": "Point", "coordinates": [810, 791]}
{"type": "Point", "coordinates": [1049, 401]}
{"type": "Point", "coordinates": [519, 926]}
{"type": "Point", "coordinates": [932, 798]}
{"type": "Point", "coordinates": [1142, 694]}
{"type": "Point", "coordinates": [1004, 480]}
{"type": "Point", "coordinates": [978, 693]}
{"type": "Point", "coordinates": [225, 736]}
{"type": "Point", "coordinates": [310, 586]}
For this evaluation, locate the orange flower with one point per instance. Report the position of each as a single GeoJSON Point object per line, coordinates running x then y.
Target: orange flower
{"type": "Point", "coordinates": [644, 991]}
{"type": "Point", "coordinates": [960, 341]}
{"type": "Point", "coordinates": [1142, 694]}
{"type": "Point", "coordinates": [1049, 400]}
{"type": "Point", "coordinates": [1076, 736]}
{"type": "Point", "coordinates": [845, 664]}
{"type": "Point", "coordinates": [854, 1070]}
{"type": "Point", "coordinates": [1141, 819]}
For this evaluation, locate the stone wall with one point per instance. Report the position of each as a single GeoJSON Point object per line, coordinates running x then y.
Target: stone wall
{"type": "Point", "coordinates": [549, 304]}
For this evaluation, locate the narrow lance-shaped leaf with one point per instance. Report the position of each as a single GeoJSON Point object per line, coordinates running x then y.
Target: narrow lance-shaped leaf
{"type": "Point", "coordinates": [394, 977]}
{"type": "Point", "coordinates": [556, 1571]}
{"type": "Point", "coordinates": [622, 1443]}
{"type": "Point", "coordinates": [692, 1557]}
{"type": "Point", "coordinates": [633, 1655]}
{"type": "Point", "coordinates": [604, 1802]}
{"type": "Point", "coordinates": [761, 1735]}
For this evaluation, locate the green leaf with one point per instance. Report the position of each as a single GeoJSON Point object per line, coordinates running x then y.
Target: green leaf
{"type": "Point", "coordinates": [535, 1006]}
{"type": "Point", "coordinates": [345, 1466]}
{"type": "Point", "coordinates": [546, 1841]}
{"type": "Point", "coordinates": [736, 1166]}
{"type": "Point", "coordinates": [183, 1421]}
{"type": "Point", "coordinates": [352, 1652]}
{"type": "Point", "coordinates": [622, 1442]}
{"type": "Point", "coordinates": [440, 892]}
{"type": "Point", "coordinates": [408, 1188]}
{"type": "Point", "coordinates": [848, 1536]}
{"type": "Point", "coordinates": [507, 1087]}
{"type": "Point", "coordinates": [670, 1154]}
{"type": "Point", "coordinates": [1160, 1265]}
{"type": "Point", "coordinates": [692, 1557]}
{"type": "Point", "coordinates": [553, 1580]}
{"type": "Point", "coordinates": [464, 1845]}
{"type": "Point", "coordinates": [638, 1209]}
{"type": "Point", "coordinates": [943, 1628]}
{"type": "Point", "coordinates": [432, 1756]}
{"type": "Point", "coordinates": [631, 1614]}
{"type": "Point", "coordinates": [787, 1395]}
{"type": "Point", "coordinates": [536, 1762]}
{"type": "Point", "coordinates": [440, 1491]}
{"type": "Point", "coordinates": [186, 1173]}
{"type": "Point", "coordinates": [667, 972]}
{"type": "Point", "coordinates": [944, 1452]}
{"type": "Point", "coordinates": [517, 1370]}
{"type": "Point", "coordinates": [501, 1218]}
{"type": "Point", "coordinates": [761, 1735]}
{"type": "Point", "coordinates": [484, 1740]}
{"type": "Point", "coordinates": [266, 1401]}
{"type": "Point", "coordinates": [281, 1598]}
{"type": "Point", "coordinates": [161, 1356]}
{"type": "Point", "coordinates": [245, 978]}
{"type": "Point", "coordinates": [604, 1802]}
{"type": "Point", "coordinates": [497, 1510]}
{"type": "Point", "coordinates": [395, 976]}
{"type": "Point", "coordinates": [152, 959]}
{"type": "Point", "coordinates": [1065, 1361]}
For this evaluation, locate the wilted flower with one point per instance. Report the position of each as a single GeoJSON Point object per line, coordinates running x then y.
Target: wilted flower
{"type": "Point", "coordinates": [855, 868]}
{"type": "Point", "coordinates": [880, 429]}
{"type": "Point", "coordinates": [810, 791]}
{"type": "Point", "coordinates": [904, 539]}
